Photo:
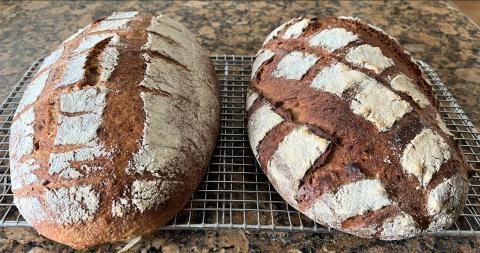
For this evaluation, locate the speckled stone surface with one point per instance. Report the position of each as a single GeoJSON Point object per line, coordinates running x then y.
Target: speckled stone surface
{"type": "Point", "coordinates": [435, 32]}
{"type": "Point", "coordinates": [26, 240]}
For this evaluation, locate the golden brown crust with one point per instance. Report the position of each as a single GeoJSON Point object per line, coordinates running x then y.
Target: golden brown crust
{"type": "Point", "coordinates": [121, 135]}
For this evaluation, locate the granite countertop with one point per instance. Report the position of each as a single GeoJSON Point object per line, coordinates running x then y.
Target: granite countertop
{"type": "Point", "coordinates": [435, 32]}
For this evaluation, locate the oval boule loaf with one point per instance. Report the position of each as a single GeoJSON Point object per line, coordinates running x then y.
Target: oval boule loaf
{"type": "Point", "coordinates": [115, 131]}
{"type": "Point", "coordinates": [347, 130]}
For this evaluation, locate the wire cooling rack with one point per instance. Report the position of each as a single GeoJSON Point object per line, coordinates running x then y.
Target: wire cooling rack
{"type": "Point", "coordinates": [235, 193]}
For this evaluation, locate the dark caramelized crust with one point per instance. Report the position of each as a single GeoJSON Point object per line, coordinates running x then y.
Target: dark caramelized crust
{"type": "Point", "coordinates": [359, 151]}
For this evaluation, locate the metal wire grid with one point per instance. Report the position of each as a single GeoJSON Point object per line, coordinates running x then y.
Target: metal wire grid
{"type": "Point", "coordinates": [234, 192]}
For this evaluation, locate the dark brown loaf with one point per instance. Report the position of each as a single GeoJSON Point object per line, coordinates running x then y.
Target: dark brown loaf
{"type": "Point", "coordinates": [115, 131]}
{"type": "Point", "coordinates": [346, 128]}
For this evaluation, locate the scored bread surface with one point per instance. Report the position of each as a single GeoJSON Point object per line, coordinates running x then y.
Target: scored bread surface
{"type": "Point", "coordinates": [115, 131]}
{"type": "Point", "coordinates": [346, 128]}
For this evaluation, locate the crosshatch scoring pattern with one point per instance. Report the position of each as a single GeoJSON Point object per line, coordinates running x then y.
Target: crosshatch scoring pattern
{"type": "Point", "coordinates": [234, 192]}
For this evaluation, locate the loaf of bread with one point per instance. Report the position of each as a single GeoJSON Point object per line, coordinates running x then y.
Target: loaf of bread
{"type": "Point", "coordinates": [115, 131]}
{"type": "Point", "coordinates": [346, 128]}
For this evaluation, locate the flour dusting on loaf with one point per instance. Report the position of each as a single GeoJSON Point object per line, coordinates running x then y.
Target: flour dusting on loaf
{"type": "Point", "coordinates": [159, 148]}
{"type": "Point", "coordinates": [275, 31]}
{"type": "Point", "coordinates": [260, 123]}
{"type": "Point", "coordinates": [74, 70]}
{"type": "Point", "coordinates": [80, 129]}
{"type": "Point", "coordinates": [260, 59]}
{"type": "Point", "coordinates": [90, 41]}
{"type": "Point", "coordinates": [294, 157]}
{"type": "Point", "coordinates": [369, 57]}
{"type": "Point", "coordinates": [61, 163]}
{"type": "Point", "coordinates": [366, 102]}
{"type": "Point", "coordinates": [145, 195]}
{"type": "Point", "coordinates": [21, 135]}
{"type": "Point", "coordinates": [115, 131]}
{"type": "Point", "coordinates": [108, 61]}
{"type": "Point", "coordinates": [113, 24]}
{"type": "Point", "coordinates": [24, 174]}
{"type": "Point", "coordinates": [32, 209]}
{"type": "Point", "coordinates": [251, 98]}
{"type": "Point", "coordinates": [399, 227]}
{"type": "Point", "coordinates": [33, 90]}
{"type": "Point", "coordinates": [123, 15]}
{"type": "Point", "coordinates": [72, 205]}
{"type": "Point", "coordinates": [350, 200]}
{"type": "Point", "coordinates": [332, 39]}
{"type": "Point", "coordinates": [148, 194]}
{"type": "Point", "coordinates": [336, 79]}
{"type": "Point", "coordinates": [346, 128]}
{"type": "Point", "coordinates": [296, 29]}
{"type": "Point", "coordinates": [444, 199]}
{"type": "Point", "coordinates": [294, 65]}
{"type": "Point", "coordinates": [424, 155]}
{"type": "Point", "coordinates": [404, 84]}
{"type": "Point", "coordinates": [51, 59]}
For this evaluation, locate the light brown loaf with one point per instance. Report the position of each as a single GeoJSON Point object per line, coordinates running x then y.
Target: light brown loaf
{"type": "Point", "coordinates": [346, 128]}
{"type": "Point", "coordinates": [115, 131]}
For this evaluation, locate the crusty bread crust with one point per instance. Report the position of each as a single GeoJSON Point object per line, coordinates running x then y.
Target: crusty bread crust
{"type": "Point", "coordinates": [123, 129]}
{"type": "Point", "coordinates": [390, 170]}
